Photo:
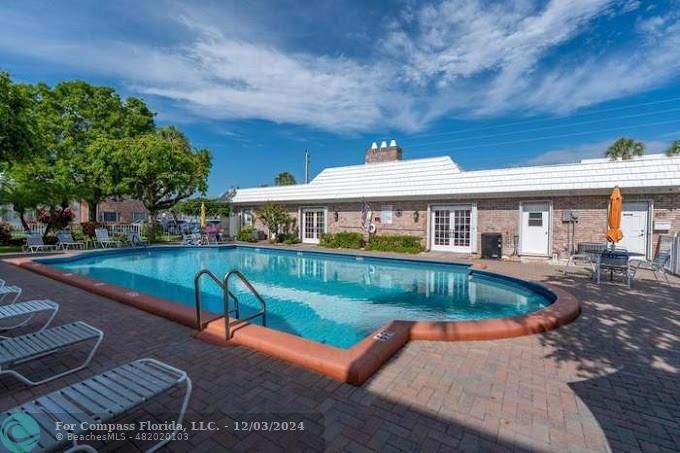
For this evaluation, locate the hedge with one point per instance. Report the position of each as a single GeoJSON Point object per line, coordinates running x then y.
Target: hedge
{"type": "Point", "coordinates": [345, 240]}
{"type": "Point", "coordinates": [402, 244]}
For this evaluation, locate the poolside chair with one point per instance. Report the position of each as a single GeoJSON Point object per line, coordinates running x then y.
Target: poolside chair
{"type": "Point", "coordinates": [65, 241]}
{"type": "Point", "coordinates": [656, 266]}
{"type": "Point", "coordinates": [615, 262]}
{"type": "Point", "coordinates": [101, 399]}
{"type": "Point", "coordinates": [6, 290]}
{"type": "Point", "coordinates": [103, 238]}
{"type": "Point", "coordinates": [30, 309]}
{"type": "Point", "coordinates": [18, 350]}
{"type": "Point", "coordinates": [134, 240]}
{"type": "Point", "coordinates": [34, 243]}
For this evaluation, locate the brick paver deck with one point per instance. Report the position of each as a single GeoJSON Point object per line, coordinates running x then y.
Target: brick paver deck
{"type": "Point", "coordinates": [608, 381]}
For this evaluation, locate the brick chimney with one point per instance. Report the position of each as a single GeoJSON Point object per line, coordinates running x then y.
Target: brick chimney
{"type": "Point", "coordinates": [384, 152]}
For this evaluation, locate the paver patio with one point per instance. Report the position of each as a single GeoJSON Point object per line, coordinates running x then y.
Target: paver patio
{"type": "Point", "coordinates": [608, 381]}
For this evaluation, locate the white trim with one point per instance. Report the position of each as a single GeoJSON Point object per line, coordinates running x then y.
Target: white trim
{"type": "Point", "coordinates": [549, 250]}
{"type": "Point", "coordinates": [649, 230]}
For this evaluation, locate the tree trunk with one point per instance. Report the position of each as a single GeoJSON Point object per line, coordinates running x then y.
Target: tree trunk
{"type": "Point", "coordinates": [24, 223]}
{"type": "Point", "coordinates": [153, 227]}
{"type": "Point", "coordinates": [92, 210]}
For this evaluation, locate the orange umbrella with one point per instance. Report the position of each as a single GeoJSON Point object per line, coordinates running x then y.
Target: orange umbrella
{"type": "Point", "coordinates": [614, 233]}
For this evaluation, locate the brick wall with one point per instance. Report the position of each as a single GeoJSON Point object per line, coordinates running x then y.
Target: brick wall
{"type": "Point", "coordinates": [124, 208]}
{"type": "Point", "coordinates": [502, 216]}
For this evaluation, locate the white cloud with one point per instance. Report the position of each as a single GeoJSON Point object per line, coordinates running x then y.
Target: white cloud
{"type": "Point", "coordinates": [446, 58]}
{"type": "Point", "coordinates": [586, 151]}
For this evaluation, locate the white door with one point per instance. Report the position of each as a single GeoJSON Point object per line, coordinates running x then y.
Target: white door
{"type": "Point", "coordinates": [452, 228]}
{"type": "Point", "coordinates": [634, 222]}
{"type": "Point", "coordinates": [535, 229]}
{"type": "Point", "coordinates": [313, 225]}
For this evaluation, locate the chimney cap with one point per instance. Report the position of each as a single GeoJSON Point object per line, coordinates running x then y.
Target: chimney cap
{"type": "Point", "coordinates": [383, 144]}
{"type": "Point", "coordinates": [374, 145]}
{"type": "Point", "coordinates": [393, 142]}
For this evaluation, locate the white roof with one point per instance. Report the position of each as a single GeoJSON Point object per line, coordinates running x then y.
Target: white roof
{"type": "Point", "coordinates": [440, 177]}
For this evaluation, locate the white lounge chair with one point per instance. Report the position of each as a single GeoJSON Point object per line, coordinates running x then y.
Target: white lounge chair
{"type": "Point", "coordinates": [656, 266]}
{"type": "Point", "coordinates": [34, 243]}
{"type": "Point", "coordinates": [99, 400]}
{"type": "Point", "coordinates": [18, 350]}
{"type": "Point", "coordinates": [27, 309]}
{"type": "Point", "coordinates": [5, 290]}
{"type": "Point", "coordinates": [65, 241]}
{"type": "Point", "coordinates": [103, 238]}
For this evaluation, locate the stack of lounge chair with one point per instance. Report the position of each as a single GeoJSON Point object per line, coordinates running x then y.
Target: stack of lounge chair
{"type": "Point", "coordinates": [96, 400]}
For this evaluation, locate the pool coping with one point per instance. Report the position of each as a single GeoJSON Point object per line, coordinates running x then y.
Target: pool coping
{"type": "Point", "coordinates": [354, 365]}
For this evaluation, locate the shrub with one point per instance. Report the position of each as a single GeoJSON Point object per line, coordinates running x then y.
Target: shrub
{"type": "Point", "coordinates": [344, 239]}
{"type": "Point", "coordinates": [402, 244]}
{"type": "Point", "coordinates": [5, 233]}
{"type": "Point", "coordinates": [287, 238]}
{"type": "Point", "coordinates": [89, 227]}
{"type": "Point", "coordinates": [245, 234]}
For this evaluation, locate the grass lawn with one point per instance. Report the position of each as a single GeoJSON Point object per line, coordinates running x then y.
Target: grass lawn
{"type": "Point", "coordinates": [10, 248]}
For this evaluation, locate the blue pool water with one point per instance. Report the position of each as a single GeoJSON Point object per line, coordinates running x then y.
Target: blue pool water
{"type": "Point", "coordinates": [333, 299]}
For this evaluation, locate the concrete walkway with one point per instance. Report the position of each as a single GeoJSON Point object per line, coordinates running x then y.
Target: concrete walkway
{"type": "Point", "coordinates": [608, 381]}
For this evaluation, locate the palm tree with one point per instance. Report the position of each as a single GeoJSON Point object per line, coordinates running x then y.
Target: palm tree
{"type": "Point", "coordinates": [625, 148]}
{"type": "Point", "coordinates": [674, 149]}
{"type": "Point", "coordinates": [284, 179]}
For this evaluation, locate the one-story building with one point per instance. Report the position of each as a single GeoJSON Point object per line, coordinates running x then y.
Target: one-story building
{"type": "Point", "coordinates": [538, 210]}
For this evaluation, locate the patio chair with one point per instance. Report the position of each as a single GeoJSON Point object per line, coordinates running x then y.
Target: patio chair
{"type": "Point", "coordinates": [29, 308]}
{"type": "Point", "coordinates": [134, 240]}
{"type": "Point", "coordinates": [18, 350]}
{"type": "Point", "coordinates": [615, 262]}
{"type": "Point", "coordinates": [103, 238]}
{"type": "Point", "coordinates": [34, 243]}
{"type": "Point", "coordinates": [101, 399]}
{"type": "Point", "coordinates": [586, 253]}
{"type": "Point", "coordinates": [6, 290]}
{"type": "Point", "coordinates": [65, 240]}
{"type": "Point", "coordinates": [656, 266]}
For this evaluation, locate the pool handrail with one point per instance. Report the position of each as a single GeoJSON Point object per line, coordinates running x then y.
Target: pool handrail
{"type": "Point", "coordinates": [262, 312]}
{"type": "Point", "coordinates": [222, 285]}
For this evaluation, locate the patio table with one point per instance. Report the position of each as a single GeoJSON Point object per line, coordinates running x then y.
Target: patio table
{"type": "Point", "coordinates": [614, 262]}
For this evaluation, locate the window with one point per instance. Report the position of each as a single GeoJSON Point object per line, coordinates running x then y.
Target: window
{"type": "Point", "coordinates": [138, 217]}
{"type": "Point", "coordinates": [387, 214]}
{"type": "Point", "coordinates": [536, 219]}
{"type": "Point", "coordinates": [109, 216]}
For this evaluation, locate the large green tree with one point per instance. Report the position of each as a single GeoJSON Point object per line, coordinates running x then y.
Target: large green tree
{"type": "Point", "coordinates": [81, 120]}
{"type": "Point", "coordinates": [625, 148]}
{"type": "Point", "coordinates": [674, 149]}
{"type": "Point", "coordinates": [160, 169]}
{"type": "Point", "coordinates": [285, 179]}
{"type": "Point", "coordinates": [20, 133]}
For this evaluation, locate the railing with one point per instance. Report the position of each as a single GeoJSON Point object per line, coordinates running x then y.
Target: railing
{"type": "Point", "coordinates": [221, 284]}
{"type": "Point", "coordinates": [124, 228]}
{"type": "Point", "coordinates": [224, 284]}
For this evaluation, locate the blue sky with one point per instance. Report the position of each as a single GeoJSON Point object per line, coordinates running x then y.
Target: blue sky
{"type": "Point", "coordinates": [489, 83]}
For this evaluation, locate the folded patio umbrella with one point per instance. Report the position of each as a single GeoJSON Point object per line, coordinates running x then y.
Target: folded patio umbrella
{"type": "Point", "coordinates": [203, 216]}
{"type": "Point", "coordinates": [614, 233]}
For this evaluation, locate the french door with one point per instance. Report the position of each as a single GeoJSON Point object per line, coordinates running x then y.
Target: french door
{"type": "Point", "coordinates": [313, 225]}
{"type": "Point", "coordinates": [453, 228]}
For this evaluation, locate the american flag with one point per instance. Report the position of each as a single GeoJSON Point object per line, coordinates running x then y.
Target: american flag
{"type": "Point", "coordinates": [364, 213]}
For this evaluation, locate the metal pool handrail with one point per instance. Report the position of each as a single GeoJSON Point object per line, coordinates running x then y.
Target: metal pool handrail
{"type": "Point", "coordinates": [221, 284]}
{"type": "Point", "coordinates": [224, 284]}
{"type": "Point", "coordinates": [262, 312]}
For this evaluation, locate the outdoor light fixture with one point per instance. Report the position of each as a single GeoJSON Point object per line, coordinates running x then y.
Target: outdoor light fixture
{"type": "Point", "coordinates": [335, 216]}
{"type": "Point", "coordinates": [398, 212]}
{"type": "Point", "coordinates": [416, 215]}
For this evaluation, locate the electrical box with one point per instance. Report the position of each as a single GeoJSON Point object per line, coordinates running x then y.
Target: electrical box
{"type": "Point", "coordinates": [569, 216]}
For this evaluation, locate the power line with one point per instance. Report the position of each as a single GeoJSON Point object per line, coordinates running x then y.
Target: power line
{"type": "Point", "coordinates": [580, 123]}
{"type": "Point", "coordinates": [531, 121]}
{"type": "Point", "coordinates": [573, 134]}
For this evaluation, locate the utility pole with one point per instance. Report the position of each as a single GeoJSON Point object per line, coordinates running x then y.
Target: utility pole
{"type": "Point", "coordinates": [306, 167]}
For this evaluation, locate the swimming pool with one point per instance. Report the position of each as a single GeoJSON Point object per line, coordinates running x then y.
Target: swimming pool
{"type": "Point", "coordinates": [330, 298]}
